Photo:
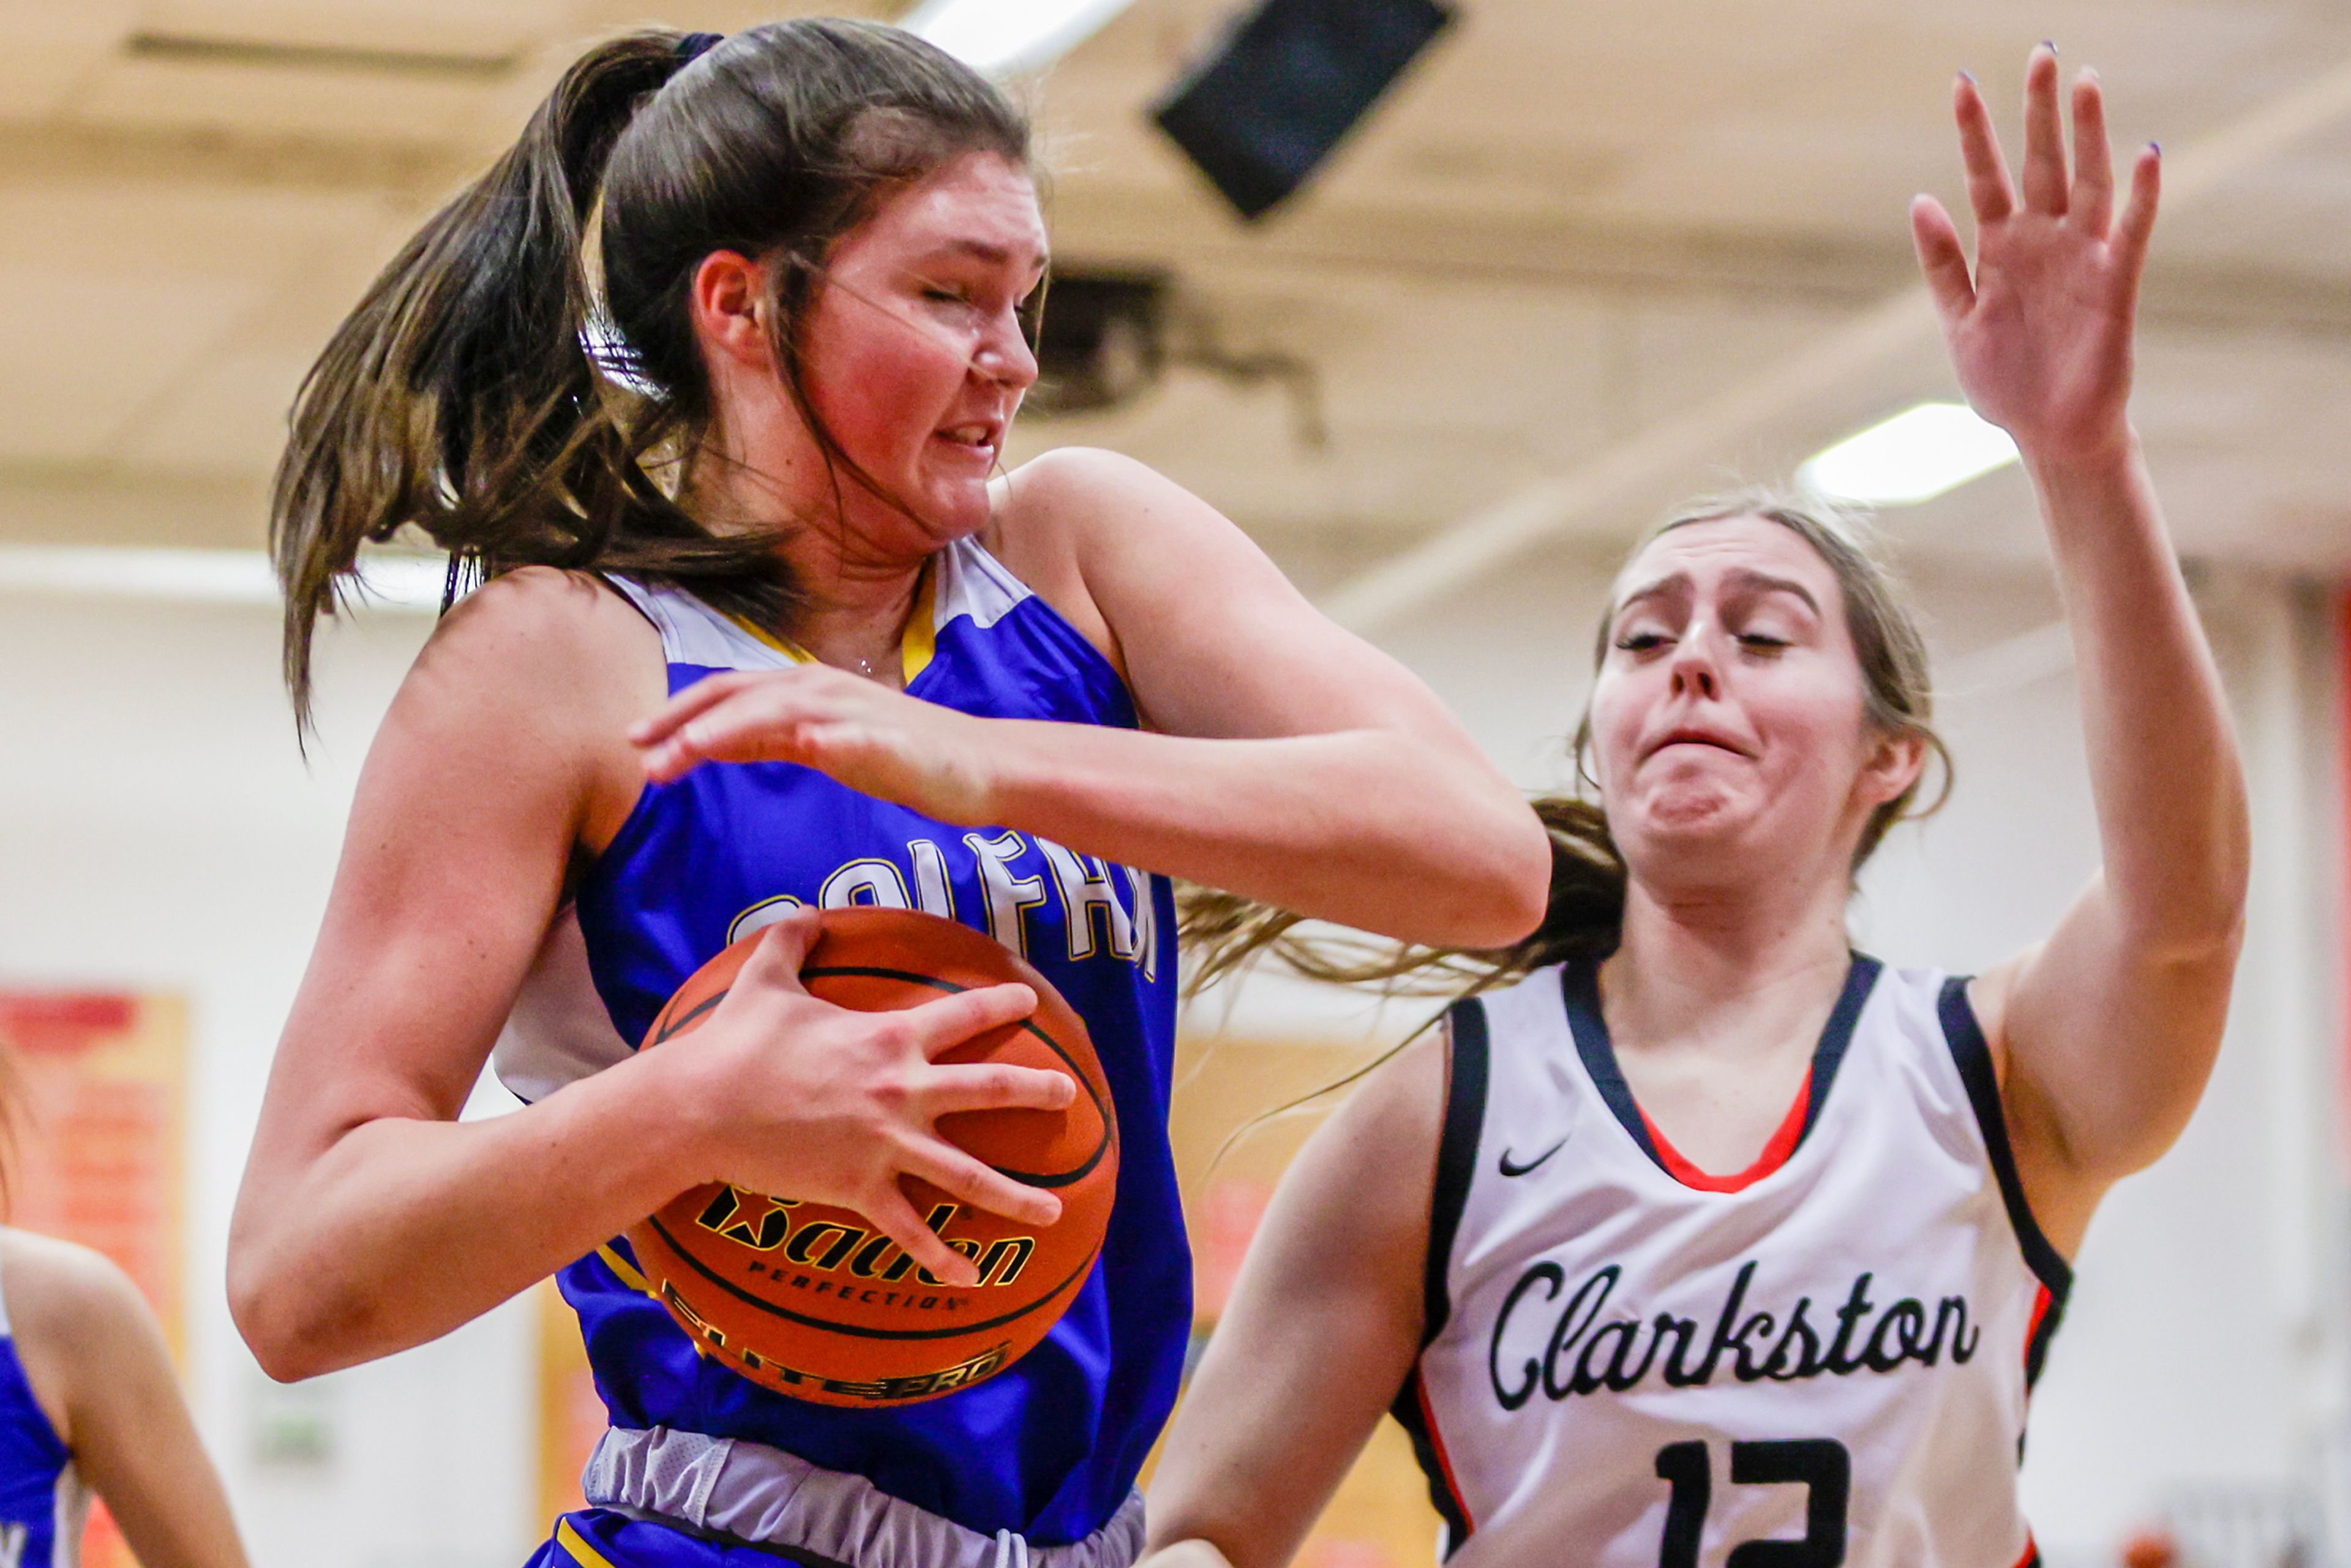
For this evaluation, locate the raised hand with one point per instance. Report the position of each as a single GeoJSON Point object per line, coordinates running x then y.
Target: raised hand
{"type": "Point", "coordinates": [879, 741]}
{"type": "Point", "coordinates": [2041, 331]}
{"type": "Point", "coordinates": [827, 1105]}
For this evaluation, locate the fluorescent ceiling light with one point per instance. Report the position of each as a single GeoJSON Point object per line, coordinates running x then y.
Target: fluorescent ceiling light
{"type": "Point", "coordinates": [1010, 38]}
{"type": "Point", "coordinates": [388, 579]}
{"type": "Point", "coordinates": [1914, 457]}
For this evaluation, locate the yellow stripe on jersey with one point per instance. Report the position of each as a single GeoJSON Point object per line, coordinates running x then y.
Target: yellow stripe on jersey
{"type": "Point", "coordinates": [784, 645]}
{"type": "Point", "coordinates": [916, 649]}
{"type": "Point", "coordinates": [576, 1548]}
{"type": "Point", "coordinates": [626, 1271]}
{"type": "Point", "coordinates": [922, 632]}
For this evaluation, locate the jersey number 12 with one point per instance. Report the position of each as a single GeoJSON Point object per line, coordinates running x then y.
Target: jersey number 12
{"type": "Point", "coordinates": [1821, 1465]}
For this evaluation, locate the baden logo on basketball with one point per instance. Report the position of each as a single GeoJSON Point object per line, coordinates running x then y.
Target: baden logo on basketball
{"type": "Point", "coordinates": [811, 1301]}
{"type": "Point", "coordinates": [826, 1246]}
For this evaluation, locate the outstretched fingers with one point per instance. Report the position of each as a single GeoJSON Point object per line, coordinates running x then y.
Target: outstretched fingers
{"type": "Point", "coordinates": [2093, 161]}
{"type": "Point", "coordinates": [1942, 258]}
{"type": "Point", "coordinates": [2044, 137]}
{"type": "Point", "coordinates": [1989, 189]}
{"type": "Point", "coordinates": [2136, 228]}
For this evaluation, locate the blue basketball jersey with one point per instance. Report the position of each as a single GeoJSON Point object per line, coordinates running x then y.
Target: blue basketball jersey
{"type": "Point", "coordinates": [42, 1504]}
{"type": "Point", "coordinates": [1051, 1446]}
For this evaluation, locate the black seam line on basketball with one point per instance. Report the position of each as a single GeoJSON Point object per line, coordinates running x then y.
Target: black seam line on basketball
{"type": "Point", "coordinates": [691, 1014]}
{"type": "Point", "coordinates": [833, 1326]}
{"type": "Point", "coordinates": [1027, 1178]}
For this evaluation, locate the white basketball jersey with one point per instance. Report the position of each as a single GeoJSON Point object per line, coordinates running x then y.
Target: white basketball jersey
{"type": "Point", "coordinates": [1822, 1360]}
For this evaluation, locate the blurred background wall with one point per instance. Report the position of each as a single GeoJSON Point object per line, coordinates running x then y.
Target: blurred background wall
{"type": "Point", "coordinates": [1585, 257]}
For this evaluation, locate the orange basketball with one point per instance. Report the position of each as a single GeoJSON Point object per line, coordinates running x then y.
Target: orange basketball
{"type": "Point", "coordinates": [813, 1302]}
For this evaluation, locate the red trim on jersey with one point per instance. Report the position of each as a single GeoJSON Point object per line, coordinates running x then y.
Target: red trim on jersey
{"type": "Point", "coordinates": [2031, 1551]}
{"type": "Point", "coordinates": [2040, 1309]}
{"type": "Point", "coordinates": [1436, 1445]}
{"type": "Point", "coordinates": [1775, 1153]}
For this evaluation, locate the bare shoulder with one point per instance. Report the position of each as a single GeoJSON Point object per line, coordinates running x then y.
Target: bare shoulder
{"type": "Point", "coordinates": [1376, 1157]}
{"type": "Point", "coordinates": [1062, 488]}
{"type": "Point", "coordinates": [1069, 499]}
{"type": "Point", "coordinates": [1404, 1095]}
{"type": "Point", "coordinates": [75, 1318]}
{"type": "Point", "coordinates": [1050, 512]}
{"type": "Point", "coordinates": [527, 687]}
{"type": "Point", "coordinates": [48, 1283]}
{"type": "Point", "coordinates": [539, 633]}
{"type": "Point", "coordinates": [1125, 552]}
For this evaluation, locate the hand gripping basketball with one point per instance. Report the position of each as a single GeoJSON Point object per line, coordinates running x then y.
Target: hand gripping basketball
{"type": "Point", "coordinates": [897, 1065]}
{"type": "Point", "coordinates": [832, 1105]}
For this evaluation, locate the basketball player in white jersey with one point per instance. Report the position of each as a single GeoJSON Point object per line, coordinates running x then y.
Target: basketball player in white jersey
{"type": "Point", "coordinates": [1707, 1241]}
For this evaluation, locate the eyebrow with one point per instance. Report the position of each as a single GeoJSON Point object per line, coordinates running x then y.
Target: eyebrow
{"type": "Point", "coordinates": [1654, 589]}
{"type": "Point", "coordinates": [1764, 582]}
{"type": "Point", "coordinates": [994, 254]}
{"type": "Point", "coordinates": [1745, 578]}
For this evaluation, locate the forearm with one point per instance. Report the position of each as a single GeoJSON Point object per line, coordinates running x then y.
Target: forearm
{"type": "Point", "coordinates": [2163, 759]}
{"type": "Point", "coordinates": [1369, 828]}
{"type": "Point", "coordinates": [1265, 1435]}
{"type": "Point", "coordinates": [405, 1228]}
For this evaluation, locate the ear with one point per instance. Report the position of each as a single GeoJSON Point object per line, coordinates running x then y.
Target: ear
{"type": "Point", "coordinates": [727, 303]}
{"type": "Point", "coordinates": [1894, 764]}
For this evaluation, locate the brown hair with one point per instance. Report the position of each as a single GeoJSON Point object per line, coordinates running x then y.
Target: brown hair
{"type": "Point", "coordinates": [519, 375]}
{"type": "Point", "coordinates": [1585, 915]}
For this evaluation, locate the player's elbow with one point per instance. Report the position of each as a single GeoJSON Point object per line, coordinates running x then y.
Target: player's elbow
{"type": "Point", "coordinates": [1504, 898]}
{"type": "Point", "coordinates": [282, 1352]}
{"type": "Point", "coordinates": [291, 1327]}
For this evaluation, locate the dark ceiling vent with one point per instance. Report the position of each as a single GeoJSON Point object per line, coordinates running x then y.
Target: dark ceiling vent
{"type": "Point", "coordinates": [349, 59]}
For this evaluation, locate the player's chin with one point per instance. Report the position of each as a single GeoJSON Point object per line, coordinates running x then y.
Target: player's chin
{"type": "Point", "coordinates": [1692, 814]}
{"type": "Point", "coordinates": [952, 499]}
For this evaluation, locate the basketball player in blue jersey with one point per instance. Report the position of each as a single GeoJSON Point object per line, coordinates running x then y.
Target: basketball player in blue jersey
{"type": "Point", "coordinates": [711, 374]}
{"type": "Point", "coordinates": [1700, 1238]}
{"type": "Point", "coordinates": [89, 1405]}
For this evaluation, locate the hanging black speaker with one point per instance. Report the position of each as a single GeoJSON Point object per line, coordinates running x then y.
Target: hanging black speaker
{"type": "Point", "coordinates": [1286, 84]}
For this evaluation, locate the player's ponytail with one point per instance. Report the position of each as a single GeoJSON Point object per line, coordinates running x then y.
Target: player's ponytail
{"type": "Point", "coordinates": [523, 383]}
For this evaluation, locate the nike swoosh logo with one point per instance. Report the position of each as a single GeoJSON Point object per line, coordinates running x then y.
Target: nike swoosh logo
{"type": "Point", "coordinates": [1510, 1169]}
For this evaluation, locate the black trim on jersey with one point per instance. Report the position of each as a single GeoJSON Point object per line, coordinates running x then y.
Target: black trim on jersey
{"type": "Point", "coordinates": [1409, 1415]}
{"type": "Point", "coordinates": [1973, 1058]}
{"type": "Point", "coordinates": [1456, 1156]}
{"type": "Point", "coordinates": [1466, 1065]}
{"type": "Point", "coordinates": [1580, 984]}
{"type": "Point", "coordinates": [1837, 1034]}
